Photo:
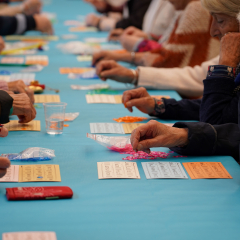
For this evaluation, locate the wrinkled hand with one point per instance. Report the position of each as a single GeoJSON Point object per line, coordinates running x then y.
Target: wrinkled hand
{"type": "Point", "coordinates": [155, 134]}
{"type": "Point", "coordinates": [111, 70]}
{"type": "Point", "coordinates": [23, 108]}
{"type": "Point", "coordinates": [31, 7]}
{"type": "Point", "coordinates": [3, 132]}
{"type": "Point", "coordinates": [115, 34]}
{"type": "Point", "coordinates": [2, 44]}
{"type": "Point", "coordinates": [230, 50]}
{"type": "Point", "coordinates": [133, 31]}
{"type": "Point", "coordinates": [4, 165]}
{"type": "Point", "coordinates": [20, 87]}
{"type": "Point", "coordinates": [92, 20]}
{"type": "Point", "coordinates": [128, 42]}
{"type": "Point", "coordinates": [43, 24]}
{"type": "Point", "coordinates": [103, 55]}
{"type": "Point", "coordinates": [148, 59]}
{"type": "Point", "coordinates": [140, 99]}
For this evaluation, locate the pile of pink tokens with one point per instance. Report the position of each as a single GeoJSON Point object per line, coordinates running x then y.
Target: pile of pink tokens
{"type": "Point", "coordinates": [140, 155]}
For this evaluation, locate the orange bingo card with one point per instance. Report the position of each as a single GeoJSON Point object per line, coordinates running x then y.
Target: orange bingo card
{"type": "Point", "coordinates": [202, 170]}
{"type": "Point", "coordinates": [129, 119]}
{"type": "Point", "coordinates": [67, 70]}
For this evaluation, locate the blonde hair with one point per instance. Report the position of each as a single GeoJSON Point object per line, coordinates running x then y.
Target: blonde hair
{"type": "Point", "coordinates": [228, 7]}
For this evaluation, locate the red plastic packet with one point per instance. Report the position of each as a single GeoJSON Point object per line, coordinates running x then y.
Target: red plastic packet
{"type": "Point", "coordinates": [38, 193]}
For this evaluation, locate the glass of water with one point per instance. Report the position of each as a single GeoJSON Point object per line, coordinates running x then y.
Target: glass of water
{"type": "Point", "coordinates": [54, 117]}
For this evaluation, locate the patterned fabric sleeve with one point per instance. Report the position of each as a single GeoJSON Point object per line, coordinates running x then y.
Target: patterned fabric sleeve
{"type": "Point", "coordinates": [190, 42]}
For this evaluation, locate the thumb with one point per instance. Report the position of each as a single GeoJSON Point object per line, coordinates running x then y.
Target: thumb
{"type": "Point", "coordinates": [147, 144]}
{"type": "Point", "coordinates": [109, 73]}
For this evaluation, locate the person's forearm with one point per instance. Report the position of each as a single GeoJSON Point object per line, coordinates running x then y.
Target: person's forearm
{"type": "Point", "coordinates": [178, 110]}
{"type": "Point", "coordinates": [219, 105]}
{"type": "Point", "coordinates": [186, 81]}
{"type": "Point", "coordinates": [207, 140]}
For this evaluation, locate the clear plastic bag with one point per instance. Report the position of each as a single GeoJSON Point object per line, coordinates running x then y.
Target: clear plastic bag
{"type": "Point", "coordinates": [76, 47]}
{"type": "Point", "coordinates": [117, 144]}
{"type": "Point", "coordinates": [31, 154]}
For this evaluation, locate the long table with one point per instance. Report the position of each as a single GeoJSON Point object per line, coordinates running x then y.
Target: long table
{"type": "Point", "coordinates": [112, 209]}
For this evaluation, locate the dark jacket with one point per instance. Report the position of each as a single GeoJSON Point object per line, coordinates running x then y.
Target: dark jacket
{"type": "Point", "coordinates": [218, 106]}
{"type": "Point", "coordinates": [10, 25]}
{"type": "Point", "coordinates": [207, 140]}
{"type": "Point", "coordinates": [137, 10]}
{"type": "Point", "coordinates": [6, 103]}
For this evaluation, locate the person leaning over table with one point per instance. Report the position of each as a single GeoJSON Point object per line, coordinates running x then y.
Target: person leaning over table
{"type": "Point", "coordinates": [188, 44]}
{"type": "Point", "coordinates": [220, 99]}
{"type": "Point", "coordinates": [133, 14]}
{"type": "Point", "coordinates": [156, 22]}
{"type": "Point", "coordinates": [186, 81]}
{"type": "Point", "coordinates": [201, 139]}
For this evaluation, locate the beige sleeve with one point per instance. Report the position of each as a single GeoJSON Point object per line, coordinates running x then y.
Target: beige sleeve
{"type": "Point", "coordinates": [187, 81]}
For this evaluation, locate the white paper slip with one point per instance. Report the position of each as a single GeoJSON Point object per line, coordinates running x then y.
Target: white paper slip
{"type": "Point", "coordinates": [116, 170]}
{"type": "Point", "coordinates": [96, 40]}
{"type": "Point", "coordinates": [104, 98]}
{"type": "Point", "coordinates": [107, 128]}
{"type": "Point", "coordinates": [5, 78]}
{"type": "Point", "coordinates": [29, 236]}
{"type": "Point", "coordinates": [11, 175]}
{"type": "Point", "coordinates": [155, 170]}
{"type": "Point", "coordinates": [90, 87]}
{"type": "Point", "coordinates": [85, 58]}
{"type": "Point", "coordinates": [27, 78]}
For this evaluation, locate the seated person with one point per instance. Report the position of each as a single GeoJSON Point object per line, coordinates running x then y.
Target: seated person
{"type": "Point", "coordinates": [155, 23]}
{"type": "Point", "coordinates": [133, 14]}
{"type": "Point", "coordinates": [182, 47]}
{"type": "Point", "coordinates": [187, 81]}
{"type": "Point", "coordinates": [28, 7]}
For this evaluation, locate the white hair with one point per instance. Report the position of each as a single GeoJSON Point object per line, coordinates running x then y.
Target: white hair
{"type": "Point", "coordinates": [228, 7]}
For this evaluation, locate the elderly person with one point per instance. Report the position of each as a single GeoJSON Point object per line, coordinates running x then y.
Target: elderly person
{"type": "Point", "coordinates": [203, 139]}
{"type": "Point", "coordinates": [133, 14]}
{"type": "Point", "coordinates": [188, 44]}
{"type": "Point", "coordinates": [186, 81]}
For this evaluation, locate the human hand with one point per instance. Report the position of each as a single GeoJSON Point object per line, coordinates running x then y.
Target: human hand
{"type": "Point", "coordinates": [43, 24]}
{"type": "Point", "coordinates": [115, 34]}
{"type": "Point", "coordinates": [4, 165]}
{"type": "Point", "coordinates": [155, 134]}
{"type": "Point", "coordinates": [31, 7]}
{"type": "Point", "coordinates": [92, 20]}
{"type": "Point", "coordinates": [3, 131]}
{"type": "Point", "coordinates": [128, 42]}
{"type": "Point", "coordinates": [148, 59]}
{"type": "Point", "coordinates": [140, 99]}
{"type": "Point", "coordinates": [110, 69]}
{"type": "Point", "coordinates": [103, 55]}
{"type": "Point", "coordinates": [133, 31]}
{"type": "Point", "coordinates": [23, 108]}
{"type": "Point", "coordinates": [20, 87]}
{"type": "Point", "coordinates": [230, 50]}
{"type": "Point", "coordinates": [2, 44]}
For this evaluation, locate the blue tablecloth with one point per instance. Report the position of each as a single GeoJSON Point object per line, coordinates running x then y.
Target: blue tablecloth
{"type": "Point", "coordinates": [112, 209]}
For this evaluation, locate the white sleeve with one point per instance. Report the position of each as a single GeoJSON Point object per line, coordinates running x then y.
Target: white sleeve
{"type": "Point", "coordinates": [187, 81]}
